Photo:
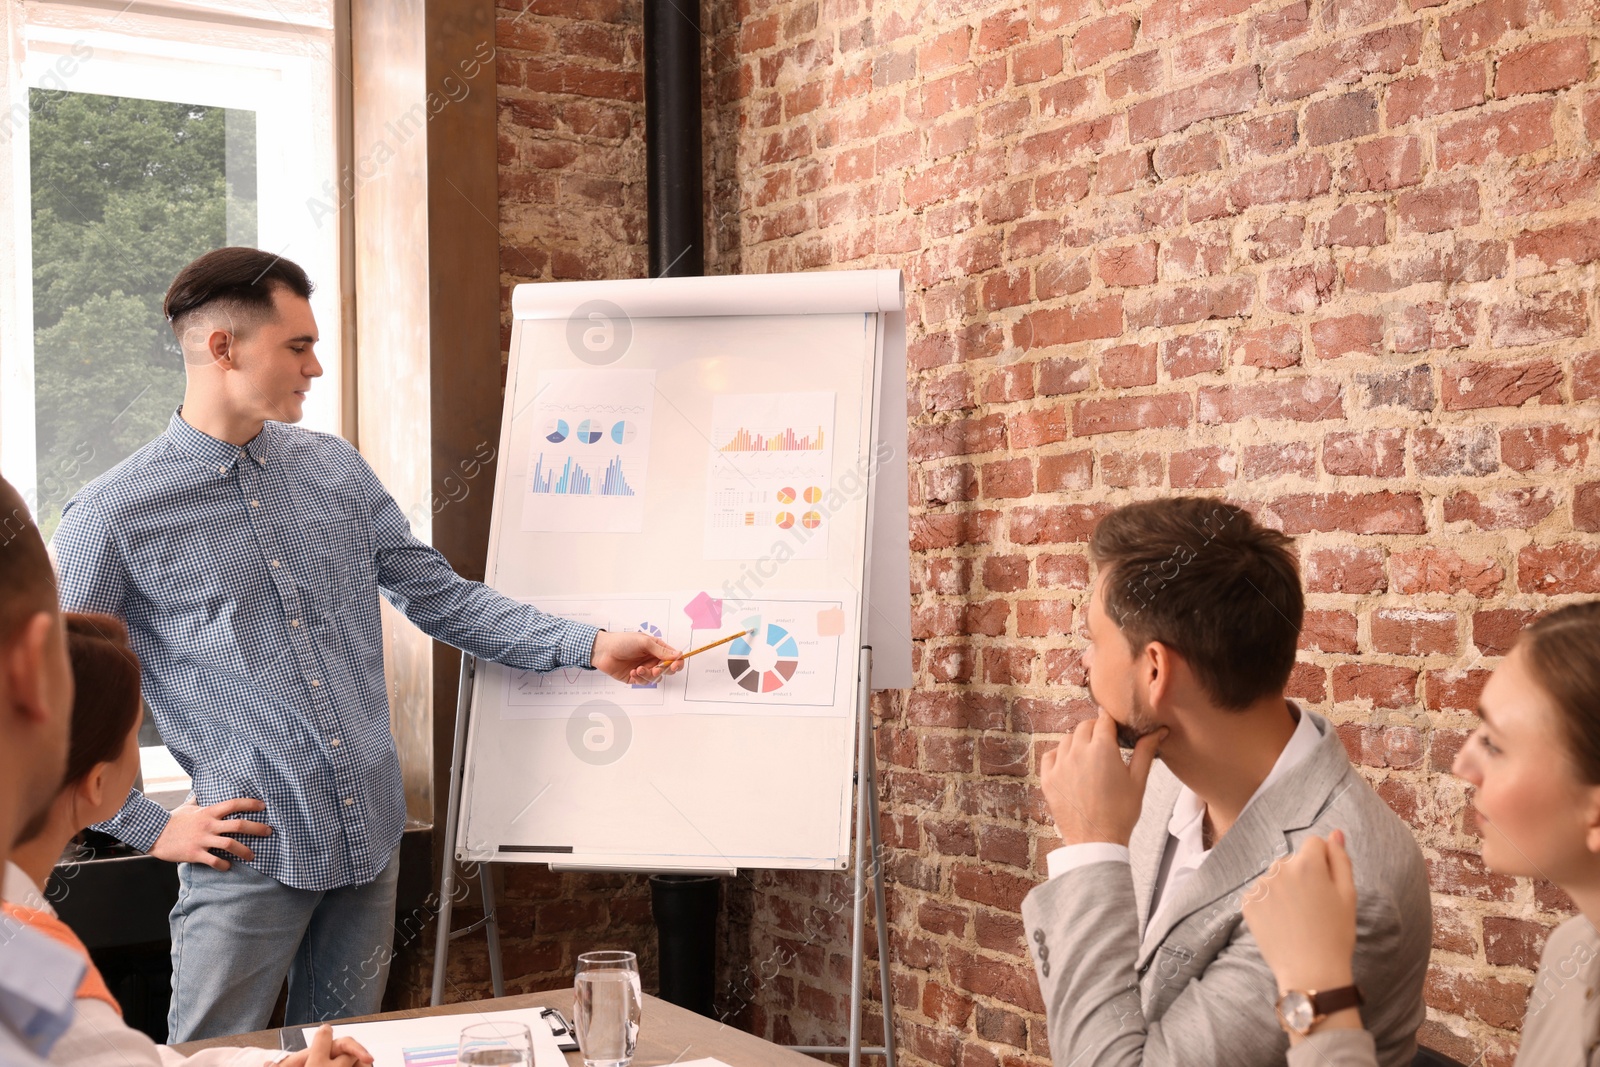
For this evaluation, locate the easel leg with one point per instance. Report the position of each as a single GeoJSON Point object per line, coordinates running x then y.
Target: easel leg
{"type": "Point", "coordinates": [491, 923]}
{"type": "Point", "coordinates": [869, 852]}
{"type": "Point", "coordinates": [447, 877]}
{"type": "Point", "coordinates": [880, 911]}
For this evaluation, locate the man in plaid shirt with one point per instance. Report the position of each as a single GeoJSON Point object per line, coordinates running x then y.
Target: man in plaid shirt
{"type": "Point", "coordinates": [248, 556]}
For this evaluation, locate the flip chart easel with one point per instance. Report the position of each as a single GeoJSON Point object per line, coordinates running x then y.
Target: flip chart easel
{"type": "Point", "coordinates": [659, 435]}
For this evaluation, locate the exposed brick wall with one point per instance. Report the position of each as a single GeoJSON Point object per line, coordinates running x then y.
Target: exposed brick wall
{"type": "Point", "coordinates": [1334, 259]}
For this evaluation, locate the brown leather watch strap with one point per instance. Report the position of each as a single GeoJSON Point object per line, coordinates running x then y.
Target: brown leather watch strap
{"type": "Point", "coordinates": [1328, 1001]}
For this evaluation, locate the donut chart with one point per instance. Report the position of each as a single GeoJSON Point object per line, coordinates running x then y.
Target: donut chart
{"type": "Point", "coordinates": [765, 666]}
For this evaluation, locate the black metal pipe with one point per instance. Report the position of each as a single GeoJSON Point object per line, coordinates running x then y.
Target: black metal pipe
{"type": "Point", "coordinates": [672, 137]}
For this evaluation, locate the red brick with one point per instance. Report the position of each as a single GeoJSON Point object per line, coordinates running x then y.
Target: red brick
{"type": "Point", "coordinates": [1101, 38]}
{"type": "Point", "coordinates": [1063, 572]}
{"type": "Point", "coordinates": [1130, 470]}
{"type": "Point", "coordinates": [1001, 31]}
{"type": "Point", "coordinates": [1054, 523]}
{"type": "Point", "coordinates": [1443, 570]}
{"type": "Point", "coordinates": [1382, 686]}
{"type": "Point", "coordinates": [1510, 133]}
{"type": "Point", "coordinates": [1353, 226]}
{"type": "Point", "coordinates": [1551, 186]}
{"type": "Point", "coordinates": [1542, 67]}
{"type": "Point", "coordinates": [1483, 384]}
{"type": "Point", "coordinates": [1199, 353]}
{"type": "Point", "coordinates": [1223, 94]}
{"type": "Point", "coordinates": [1170, 306]}
{"type": "Point", "coordinates": [948, 531]}
{"type": "Point", "coordinates": [1506, 509]}
{"type": "Point", "coordinates": [1061, 326]}
{"type": "Point", "coordinates": [1368, 453]}
{"type": "Point", "coordinates": [1363, 513]}
{"type": "Point", "coordinates": [1117, 414]}
{"type": "Point", "coordinates": [1559, 568]}
{"type": "Point", "coordinates": [1211, 50]}
{"type": "Point", "coordinates": [1260, 137]}
{"type": "Point", "coordinates": [1126, 366]}
{"type": "Point", "coordinates": [1284, 24]}
{"type": "Point", "coordinates": [1347, 569]}
{"type": "Point", "coordinates": [1275, 237]}
{"type": "Point", "coordinates": [1169, 18]}
{"type": "Point", "coordinates": [1065, 472]}
{"type": "Point", "coordinates": [1292, 180]}
{"type": "Point", "coordinates": [1434, 93]}
{"type": "Point", "coordinates": [1348, 335]}
{"type": "Point", "coordinates": [1432, 325]}
{"type": "Point", "coordinates": [1299, 399]}
{"type": "Point", "coordinates": [1201, 468]}
{"type": "Point", "coordinates": [1271, 461]}
{"type": "Point", "coordinates": [1341, 118]}
{"type": "Point", "coordinates": [1197, 254]}
{"type": "Point", "coordinates": [1297, 290]}
{"type": "Point", "coordinates": [1127, 265]}
{"type": "Point", "coordinates": [1442, 207]}
{"type": "Point", "coordinates": [1495, 631]}
{"type": "Point", "coordinates": [1384, 163]}
{"type": "Point", "coordinates": [1409, 632]}
{"type": "Point", "coordinates": [958, 437]}
{"type": "Point", "coordinates": [1134, 76]}
{"type": "Point", "coordinates": [1544, 449]}
{"type": "Point", "coordinates": [1328, 631]}
{"type": "Point", "coordinates": [1452, 689]}
{"type": "Point", "coordinates": [1453, 452]}
{"type": "Point", "coordinates": [1061, 375]}
{"type": "Point", "coordinates": [1382, 51]}
{"type": "Point", "coordinates": [1036, 62]}
{"type": "Point", "coordinates": [1061, 277]}
{"type": "Point", "coordinates": [1572, 243]}
{"type": "Point", "coordinates": [1509, 942]}
{"type": "Point", "coordinates": [1008, 478]}
{"type": "Point", "coordinates": [1273, 347]}
{"type": "Point", "coordinates": [1586, 507]}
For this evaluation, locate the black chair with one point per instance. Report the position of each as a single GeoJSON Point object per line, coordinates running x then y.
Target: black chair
{"type": "Point", "coordinates": [1427, 1057]}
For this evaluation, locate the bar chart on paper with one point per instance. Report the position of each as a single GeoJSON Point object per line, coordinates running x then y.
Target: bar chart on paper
{"type": "Point", "coordinates": [770, 470]}
{"type": "Point", "coordinates": [590, 450]}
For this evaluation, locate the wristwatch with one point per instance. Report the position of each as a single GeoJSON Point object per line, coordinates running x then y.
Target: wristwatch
{"type": "Point", "coordinates": [1299, 1013]}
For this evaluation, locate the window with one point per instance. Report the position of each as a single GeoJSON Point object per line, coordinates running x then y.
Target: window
{"type": "Point", "coordinates": [138, 139]}
{"type": "Point", "coordinates": [133, 138]}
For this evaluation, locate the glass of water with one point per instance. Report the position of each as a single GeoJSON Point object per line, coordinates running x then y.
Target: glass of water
{"type": "Point", "coordinates": [606, 1013]}
{"type": "Point", "coordinates": [496, 1045]}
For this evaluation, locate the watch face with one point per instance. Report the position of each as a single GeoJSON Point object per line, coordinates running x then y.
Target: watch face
{"type": "Point", "coordinates": [1298, 1014]}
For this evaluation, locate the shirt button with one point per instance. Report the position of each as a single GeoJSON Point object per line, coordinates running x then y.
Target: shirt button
{"type": "Point", "coordinates": [255, 503]}
{"type": "Point", "coordinates": [296, 624]}
{"type": "Point", "coordinates": [222, 470]}
{"type": "Point", "coordinates": [315, 683]}
{"type": "Point", "coordinates": [349, 801]}
{"type": "Point", "coordinates": [334, 741]}
{"type": "Point", "coordinates": [276, 564]}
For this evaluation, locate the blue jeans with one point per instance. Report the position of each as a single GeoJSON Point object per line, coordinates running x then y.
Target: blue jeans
{"type": "Point", "coordinates": [237, 934]}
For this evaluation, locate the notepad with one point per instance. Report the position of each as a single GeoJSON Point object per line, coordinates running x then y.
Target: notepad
{"type": "Point", "coordinates": [433, 1041]}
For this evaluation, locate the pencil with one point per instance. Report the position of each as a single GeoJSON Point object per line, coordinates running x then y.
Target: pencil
{"type": "Point", "coordinates": [706, 648]}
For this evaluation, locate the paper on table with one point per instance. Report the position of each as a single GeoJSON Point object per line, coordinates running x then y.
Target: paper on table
{"type": "Point", "coordinates": [433, 1041]}
{"type": "Point", "coordinates": [709, 1061]}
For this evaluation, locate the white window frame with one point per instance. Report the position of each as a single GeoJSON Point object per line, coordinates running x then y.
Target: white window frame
{"type": "Point", "coordinates": [285, 60]}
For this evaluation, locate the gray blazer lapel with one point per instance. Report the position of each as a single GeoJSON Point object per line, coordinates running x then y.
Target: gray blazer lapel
{"type": "Point", "coordinates": [1260, 836]}
{"type": "Point", "coordinates": [1149, 840]}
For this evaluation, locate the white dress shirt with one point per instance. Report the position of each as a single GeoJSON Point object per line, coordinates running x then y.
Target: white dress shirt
{"type": "Point", "coordinates": [97, 1036]}
{"type": "Point", "coordinates": [1186, 849]}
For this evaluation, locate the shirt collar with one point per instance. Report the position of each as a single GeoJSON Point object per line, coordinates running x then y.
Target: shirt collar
{"type": "Point", "coordinates": [1188, 809]}
{"type": "Point", "coordinates": [19, 889]}
{"type": "Point", "coordinates": [220, 455]}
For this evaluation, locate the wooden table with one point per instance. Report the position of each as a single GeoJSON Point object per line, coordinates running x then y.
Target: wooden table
{"type": "Point", "coordinates": [667, 1033]}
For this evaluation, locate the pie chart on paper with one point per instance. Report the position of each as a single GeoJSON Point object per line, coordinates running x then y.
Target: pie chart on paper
{"type": "Point", "coordinates": [763, 664]}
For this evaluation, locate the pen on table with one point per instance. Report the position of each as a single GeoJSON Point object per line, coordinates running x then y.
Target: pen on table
{"type": "Point", "coordinates": [706, 648]}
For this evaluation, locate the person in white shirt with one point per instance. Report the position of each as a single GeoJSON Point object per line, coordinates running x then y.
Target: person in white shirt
{"type": "Point", "coordinates": [37, 976]}
{"type": "Point", "coordinates": [1137, 939]}
{"type": "Point", "coordinates": [102, 763]}
{"type": "Point", "coordinates": [1534, 766]}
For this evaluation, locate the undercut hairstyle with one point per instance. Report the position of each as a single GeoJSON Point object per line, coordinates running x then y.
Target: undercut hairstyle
{"type": "Point", "coordinates": [1205, 579]}
{"type": "Point", "coordinates": [105, 673]}
{"type": "Point", "coordinates": [1563, 655]}
{"type": "Point", "coordinates": [237, 281]}
{"type": "Point", "coordinates": [27, 580]}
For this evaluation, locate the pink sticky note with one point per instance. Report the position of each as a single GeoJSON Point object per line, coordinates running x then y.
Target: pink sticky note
{"type": "Point", "coordinates": [705, 612]}
{"type": "Point", "coordinates": [830, 622]}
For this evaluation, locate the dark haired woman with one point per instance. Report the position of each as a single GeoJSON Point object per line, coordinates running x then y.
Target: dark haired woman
{"type": "Point", "coordinates": [1534, 763]}
{"type": "Point", "coordinates": [102, 761]}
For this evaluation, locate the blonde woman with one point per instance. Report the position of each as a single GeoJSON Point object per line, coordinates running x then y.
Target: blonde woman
{"type": "Point", "coordinates": [1534, 763]}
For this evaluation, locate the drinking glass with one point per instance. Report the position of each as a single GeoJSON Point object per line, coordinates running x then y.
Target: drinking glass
{"type": "Point", "coordinates": [606, 1013]}
{"type": "Point", "coordinates": [496, 1045]}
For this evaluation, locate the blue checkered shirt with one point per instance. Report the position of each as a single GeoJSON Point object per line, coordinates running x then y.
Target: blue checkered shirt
{"type": "Point", "coordinates": [249, 579]}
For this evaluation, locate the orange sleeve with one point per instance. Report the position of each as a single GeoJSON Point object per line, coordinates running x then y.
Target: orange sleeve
{"type": "Point", "coordinates": [93, 985]}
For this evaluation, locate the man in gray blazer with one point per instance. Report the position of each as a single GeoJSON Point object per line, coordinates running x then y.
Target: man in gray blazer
{"type": "Point", "coordinates": [1137, 939]}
